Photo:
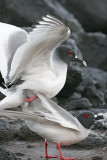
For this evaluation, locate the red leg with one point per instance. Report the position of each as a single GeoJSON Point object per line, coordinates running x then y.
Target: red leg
{"type": "Point", "coordinates": [61, 156]}
{"type": "Point", "coordinates": [30, 99]}
{"type": "Point", "coordinates": [46, 151]}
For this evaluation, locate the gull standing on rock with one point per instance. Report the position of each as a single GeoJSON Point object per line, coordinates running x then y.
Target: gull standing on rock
{"type": "Point", "coordinates": [53, 123]}
{"type": "Point", "coordinates": [28, 61]}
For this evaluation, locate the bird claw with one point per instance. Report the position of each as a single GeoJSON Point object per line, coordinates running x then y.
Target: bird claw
{"type": "Point", "coordinates": [64, 158]}
{"type": "Point", "coordinates": [54, 156]}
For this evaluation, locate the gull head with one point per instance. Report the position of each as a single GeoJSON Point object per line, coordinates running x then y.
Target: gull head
{"type": "Point", "coordinates": [67, 54]}
{"type": "Point", "coordinates": [87, 118]}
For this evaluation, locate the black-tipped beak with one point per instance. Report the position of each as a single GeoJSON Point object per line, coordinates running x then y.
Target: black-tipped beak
{"type": "Point", "coordinates": [98, 117]}
{"type": "Point", "coordinates": [80, 61]}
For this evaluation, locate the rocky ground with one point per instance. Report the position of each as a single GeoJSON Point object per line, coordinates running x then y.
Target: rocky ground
{"type": "Point", "coordinates": [85, 88]}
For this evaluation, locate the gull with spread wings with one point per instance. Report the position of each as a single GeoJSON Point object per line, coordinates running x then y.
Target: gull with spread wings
{"type": "Point", "coordinates": [29, 61]}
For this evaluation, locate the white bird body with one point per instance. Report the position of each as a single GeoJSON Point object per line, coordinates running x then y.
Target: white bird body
{"type": "Point", "coordinates": [50, 121]}
{"type": "Point", "coordinates": [58, 134]}
{"type": "Point", "coordinates": [27, 60]}
{"type": "Point", "coordinates": [49, 81]}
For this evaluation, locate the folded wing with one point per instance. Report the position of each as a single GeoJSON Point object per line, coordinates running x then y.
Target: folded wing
{"type": "Point", "coordinates": [49, 113]}
{"type": "Point", "coordinates": [58, 114]}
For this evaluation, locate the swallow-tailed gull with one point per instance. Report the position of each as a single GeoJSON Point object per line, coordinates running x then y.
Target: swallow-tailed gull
{"type": "Point", "coordinates": [53, 123]}
{"type": "Point", "coordinates": [28, 61]}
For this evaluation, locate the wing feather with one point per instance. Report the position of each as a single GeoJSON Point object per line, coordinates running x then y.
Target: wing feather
{"type": "Point", "coordinates": [11, 37]}
{"type": "Point", "coordinates": [42, 41]}
{"type": "Point", "coordinates": [49, 112]}
{"type": "Point", "coordinates": [57, 113]}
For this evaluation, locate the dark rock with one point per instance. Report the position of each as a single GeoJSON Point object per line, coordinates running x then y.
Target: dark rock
{"type": "Point", "coordinates": [30, 146]}
{"type": "Point", "coordinates": [101, 125]}
{"type": "Point", "coordinates": [97, 158]}
{"type": "Point", "coordinates": [55, 99]}
{"type": "Point", "coordinates": [95, 96]}
{"type": "Point", "coordinates": [91, 14]}
{"type": "Point", "coordinates": [94, 48]}
{"type": "Point", "coordinates": [58, 10]}
{"type": "Point", "coordinates": [105, 97]}
{"type": "Point", "coordinates": [94, 110]}
{"type": "Point", "coordinates": [74, 96]}
{"type": "Point", "coordinates": [30, 158]}
{"type": "Point", "coordinates": [2, 96]}
{"type": "Point", "coordinates": [26, 134]}
{"type": "Point", "coordinates": [93, 76]}
{"type": "Point", "coordinates": [27, 29]}
{"type": "Point", "coordinates": [99, 110]}
{"type": "Point", "coordinates": [81, 103]}
{"type": "Point", "coordinates": [93, 140]}
{"type": "Point", "coordinates": [19, 154]}
{"type": "Point", "coordinates": [6, 155]}
{"type": "Point", "coordinates": [93, 85]}
{"type": "Point", "coordinates": [28, 11]}
{"type": "Point", "coordinates": [6, 131]}
{"type": "Point", "coordinates": [73, 80]}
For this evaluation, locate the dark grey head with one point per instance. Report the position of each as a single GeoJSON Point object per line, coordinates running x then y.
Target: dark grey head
{"type": "Point", "coordinates": [67, 55]}
{"type": "Point", "coordinates": [87, 119]}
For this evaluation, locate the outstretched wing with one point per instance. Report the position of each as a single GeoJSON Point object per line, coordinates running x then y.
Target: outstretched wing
{"type": "Point", "coordinates": [38, 50]}
{"type": "Point", "coordinates": [21, 115]}
{"type": "Point", "coordinates": [57, 114]}
{"type": "Point", "coordinates": [11, 38]}
{"type": "Point", "coordinates": [49, 113]}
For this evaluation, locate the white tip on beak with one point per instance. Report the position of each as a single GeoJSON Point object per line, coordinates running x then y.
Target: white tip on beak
{"type": "Point", "coordinates": [95, 116]}
{"type": "Point", "coordinates": [84, 63]}
{"type": "Point", "coordinates": [76, 56]}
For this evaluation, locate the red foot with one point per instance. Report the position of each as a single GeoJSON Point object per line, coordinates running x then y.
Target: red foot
{"type": "Point", "coordinates": [61, 156]}
{"type": "Point", "coordinates": [30, 99]}
{"type": "Point", "coordinates": [46, 151]}
{"type": "Point", "coordinates": [54, 156]}
{"type": "Point", "coordinates": [64, 158]}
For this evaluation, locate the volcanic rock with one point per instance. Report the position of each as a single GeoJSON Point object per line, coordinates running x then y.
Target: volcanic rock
{"type": "Point", "coordinates": [93, 85]}
{"type": "Point", "coordinates": [93, 140]}
{"type": "Point", "coordinates": [6, 155]}
{"type": "Point", "coordinates": [94, 48]}
{"type": "Point", "coordinates": [6, 131]}
{"type": "Point", "coordinates": [91, 14]}
{"type": "Point", "coordinates": [25, 13]}
{"type": "Point", "coordinates": [26, 134]}
{"type": "Point", "coordinates": [81, 103]}
{"type": "Point", "coordinates": [74, 75]}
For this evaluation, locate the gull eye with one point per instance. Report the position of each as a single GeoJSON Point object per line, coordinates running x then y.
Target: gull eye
{"type": "Point", "coordinates": [70, 52]}
{"type": "Point", "coordinates": [86, 115]}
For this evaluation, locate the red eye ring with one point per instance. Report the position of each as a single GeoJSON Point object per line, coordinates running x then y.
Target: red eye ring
{"type": "Point", "coordinates": [86, 115]}
{"type": "Point", "coordinates": [70, 52]}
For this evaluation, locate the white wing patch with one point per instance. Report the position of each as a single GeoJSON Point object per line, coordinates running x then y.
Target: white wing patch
{"type": "Point", "coordinates": [49, 27]}
{"type": "Point", "coordinates": [11, 37]}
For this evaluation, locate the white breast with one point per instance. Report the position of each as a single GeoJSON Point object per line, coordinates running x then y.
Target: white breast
{"type": "Point", "coordinates": [48, 82]}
